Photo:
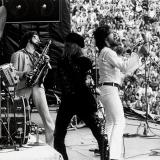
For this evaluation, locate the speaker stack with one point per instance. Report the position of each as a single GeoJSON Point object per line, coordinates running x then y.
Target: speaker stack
{"type": "Point", "coordinates": [28, 11]}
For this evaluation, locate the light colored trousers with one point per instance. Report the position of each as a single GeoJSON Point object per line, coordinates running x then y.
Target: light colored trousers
{"type": "Point", "coordinates": [115, 120]}
{"type": "Point", "coordinates": [39, 100]}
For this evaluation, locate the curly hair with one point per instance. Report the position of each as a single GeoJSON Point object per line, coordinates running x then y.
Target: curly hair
{"type": "Point", "coordinates": [100, 34]}
{"type": "Point", "coordinates": [26, 37]}
{"type": "Point", "coordinates": [71, 51]}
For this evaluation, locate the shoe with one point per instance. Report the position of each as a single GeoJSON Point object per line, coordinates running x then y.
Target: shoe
{"type": "Point", "coordinates": [81, 125]}
{"type": "Point", "coordinates": [71, 127]}
{"type": "Point", "coordinates": [96, 152]}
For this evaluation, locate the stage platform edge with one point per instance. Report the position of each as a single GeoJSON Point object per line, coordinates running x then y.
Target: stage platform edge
{"type": "Point", "coordinates": [31, 151]}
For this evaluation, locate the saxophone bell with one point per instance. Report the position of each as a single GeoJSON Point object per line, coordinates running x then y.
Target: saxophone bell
{"type": "Point", "coordinates": [49, 65]}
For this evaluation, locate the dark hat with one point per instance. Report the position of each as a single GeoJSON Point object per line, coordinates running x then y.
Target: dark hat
{"type": "Point", "coordinates": [75, 38]}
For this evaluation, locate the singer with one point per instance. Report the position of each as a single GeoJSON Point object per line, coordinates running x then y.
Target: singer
{"type": "Point", "coordinates": [24, 61]}
{"type": "Point", "coordinates": [111, 66]}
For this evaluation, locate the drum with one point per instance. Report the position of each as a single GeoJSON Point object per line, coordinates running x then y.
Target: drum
{"type": "Point", "coordinates": [15, 120]}
{"type": "Point", "coordinates": [8, 73]}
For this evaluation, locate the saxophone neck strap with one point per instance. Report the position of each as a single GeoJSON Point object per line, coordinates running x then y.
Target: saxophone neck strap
{"type": "Point", "coordinates": [33, 56]}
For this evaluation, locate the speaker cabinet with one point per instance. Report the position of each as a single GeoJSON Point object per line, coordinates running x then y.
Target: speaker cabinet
{"type": "Point", "coordinates": [28, 11]}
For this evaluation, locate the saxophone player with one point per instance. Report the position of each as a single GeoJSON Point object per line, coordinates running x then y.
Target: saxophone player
{"type": "Point", "coordinates": [24, 61]}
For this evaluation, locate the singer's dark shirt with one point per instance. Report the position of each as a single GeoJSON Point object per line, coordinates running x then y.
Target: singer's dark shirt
{"type": "Point", "coordinates": [75, 94]}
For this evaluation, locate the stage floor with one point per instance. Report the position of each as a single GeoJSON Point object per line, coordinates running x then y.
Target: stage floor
{"type": "Point", "coordinates": [136, 145]}
{"type": "Point", "coordinates": [30, 151]}
{"type": "Point", "coordinates": [80, 141]}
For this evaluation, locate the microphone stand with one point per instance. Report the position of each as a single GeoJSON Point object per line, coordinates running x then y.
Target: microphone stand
{"type": "Point", "coordinates": [145, 132]}
{"type": "Point", "coordinates": [147, 70]}
{"type": "Point", "coordinates": [144, 124]}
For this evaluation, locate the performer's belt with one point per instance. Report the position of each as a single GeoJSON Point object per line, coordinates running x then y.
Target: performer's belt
{"type": "Point", "coordinates": [110, 84]}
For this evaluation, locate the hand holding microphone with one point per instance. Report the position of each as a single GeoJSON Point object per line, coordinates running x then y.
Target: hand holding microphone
{"type": "Point", "coordinates": [144, 50]}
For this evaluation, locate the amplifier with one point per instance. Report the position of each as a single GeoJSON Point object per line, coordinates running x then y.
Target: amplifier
{"type": "Point", "coordinates": [8, 75]}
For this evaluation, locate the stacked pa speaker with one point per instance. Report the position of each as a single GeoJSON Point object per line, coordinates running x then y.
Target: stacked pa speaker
{"type": "Point", "coordinates": [21, 11]}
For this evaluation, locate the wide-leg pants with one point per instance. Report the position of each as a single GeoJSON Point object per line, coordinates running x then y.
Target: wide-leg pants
{"type": "Point", "coordinates": [39, 99]}
{"type": "Point", "coordinates": [79, 107]}
{"type": "Point", "coordinates": [115, 120]}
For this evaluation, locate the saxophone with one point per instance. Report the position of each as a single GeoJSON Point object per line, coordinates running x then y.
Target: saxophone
{"type": "Point", "coordinates": [39, 68]}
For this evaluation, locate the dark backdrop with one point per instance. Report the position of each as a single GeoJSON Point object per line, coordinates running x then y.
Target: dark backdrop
{"type": "Point", "coordinates": [55, 30]}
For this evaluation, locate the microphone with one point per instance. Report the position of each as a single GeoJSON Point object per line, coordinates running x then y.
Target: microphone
{"type": "Point", "coordinates": [144, 50]}
{"type": "Point", "coordinates": [144, 37]}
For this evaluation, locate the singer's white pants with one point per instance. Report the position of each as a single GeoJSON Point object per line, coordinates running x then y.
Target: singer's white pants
{"type": "Point", "coordinates": [115, 120]}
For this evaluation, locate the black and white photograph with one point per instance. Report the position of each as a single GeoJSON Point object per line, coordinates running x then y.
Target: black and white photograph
{"type": "Point", "coordinates": [79, 79]}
